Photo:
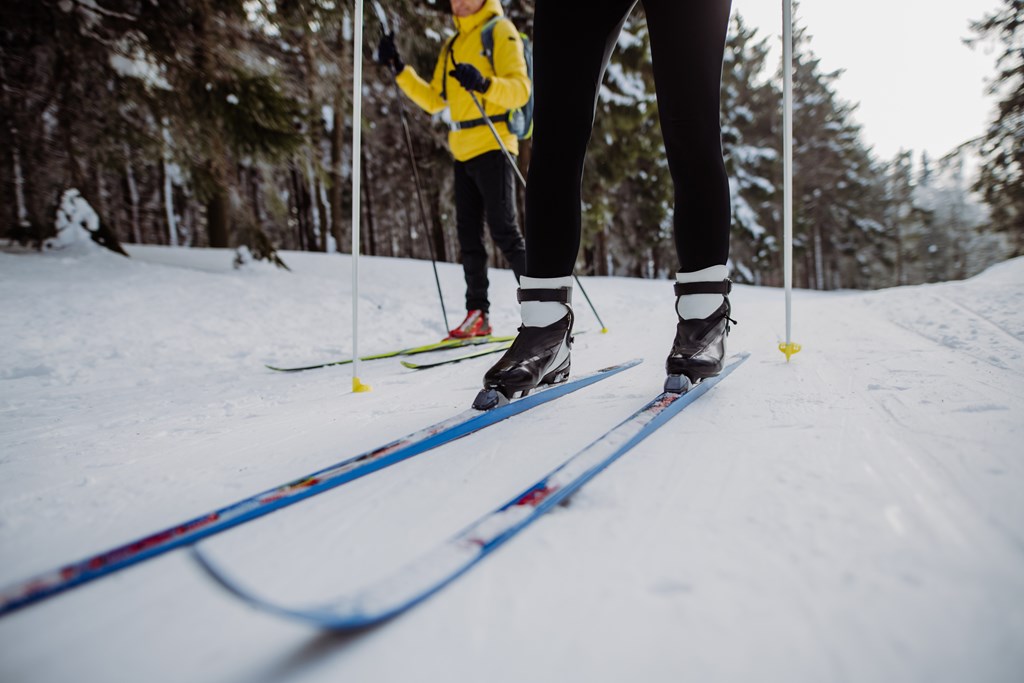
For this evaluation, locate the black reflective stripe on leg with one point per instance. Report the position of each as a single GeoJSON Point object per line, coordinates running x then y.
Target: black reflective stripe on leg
{"type": "Point", "coordinates": [724, 288]}
{"type": "Point", "coordinates": [562, 295]}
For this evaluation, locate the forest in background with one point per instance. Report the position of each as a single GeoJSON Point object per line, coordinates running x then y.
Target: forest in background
{"type": "Point", "coordinates": [227, 123]}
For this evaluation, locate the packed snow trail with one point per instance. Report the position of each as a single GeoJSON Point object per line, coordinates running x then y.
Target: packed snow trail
{"type": "Point", "coordinates": [33, 589]}
{"type": "Point", "coordinates": [405, 587]}
{"type": "Point", "coordinates": [852, 515]}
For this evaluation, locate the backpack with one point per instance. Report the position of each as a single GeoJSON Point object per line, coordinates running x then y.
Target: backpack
{"type": "Point", "coordinates": [520, 121]}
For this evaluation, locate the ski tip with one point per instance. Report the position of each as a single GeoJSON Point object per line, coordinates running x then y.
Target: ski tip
{"type": "Point", "coordinates": [621, 366]}
{"type": "Point", "coordinates": [275, 368]}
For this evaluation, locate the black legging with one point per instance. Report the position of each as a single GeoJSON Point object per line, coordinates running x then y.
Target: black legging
{"type": "Point", "coordinates": [572, 44]}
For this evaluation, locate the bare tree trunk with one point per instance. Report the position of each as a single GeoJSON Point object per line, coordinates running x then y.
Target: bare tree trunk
{"type": "Point", "coordinates": [899, 251]}
{"type": "Point", "coordinates": [411, 219]}
{"type": "Point", "coordinates": [189, 221]}
{"type": "Point", "coordinates": [172, 227]}
{"type": "Point", "coordinates": [337, 178]}
{"type": "Point", "coordinates": [133, 195]}
{"type": "Point", "coordinates": [253, 181]}
{"type": "Point", "coordinates": [102, 204]}
{"type": "Point", "coordinates": [330, 244]}
{"type": "Point", "coordinates": [604, 257]}
{"type": "Point", "coordinates": [24, 224]}
{"type": "Point", "coordinates": [371, 225]}
{"type": "Point", "coordinates": [440, 248]}
{"type": "Point", "coordinates": [808, 274]}
{"type": "Point", "coordinates": [296, 203]}
{"type": "Point", "coordinates": [819, 265]}
{"type": "Point", "coordinates": [217, 218]}
{"type": "Point", "coordinates": [319, 236]}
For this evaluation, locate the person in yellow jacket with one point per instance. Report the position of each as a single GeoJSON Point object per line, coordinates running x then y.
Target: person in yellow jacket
{"type": "Point", "coordinates": [484, 180]}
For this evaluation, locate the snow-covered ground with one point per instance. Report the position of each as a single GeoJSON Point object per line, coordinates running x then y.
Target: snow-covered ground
{"type": "Point", "coordinates": [854, 515]}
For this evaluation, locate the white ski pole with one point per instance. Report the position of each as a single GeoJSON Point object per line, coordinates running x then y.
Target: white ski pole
{"type": "Point", "coordinates": [357, 144]}
{"type": "Point", "coordinates": [522, 180]}
{"type": "Point", "coordinates": [788, 347]}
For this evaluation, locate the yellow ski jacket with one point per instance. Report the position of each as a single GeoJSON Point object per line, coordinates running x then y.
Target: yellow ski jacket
{"type": "Point", "coordinates": [510, 84]}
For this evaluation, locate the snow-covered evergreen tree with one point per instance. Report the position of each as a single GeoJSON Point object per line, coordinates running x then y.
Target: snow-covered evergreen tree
{"type": "Point", "coordinates": [899, 196]}
{"type": "Point", "coordinates": [1002, 150]}
{"type": "Point", "coordinates": [941, 230]}
{"type": "Point", "coordinates": [839, 234]}
{"type": "Point", "coordinates": [751, 145]}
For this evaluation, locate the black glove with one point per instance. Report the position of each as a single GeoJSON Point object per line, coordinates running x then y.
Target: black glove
{"type": "Point", "coordinates": [470, 77]}
{"type": "Point", "coordinates": [387, 53]}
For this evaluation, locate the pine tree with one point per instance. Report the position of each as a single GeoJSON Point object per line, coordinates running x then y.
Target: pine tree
{"type": "Point", "coordinates": [750, 142]}
{"type": "Point", "coordinates": [1002, 150]}
{"type": "Point", "coordinates": [202, 96]}
{"type": "Point", "coordinates": [420, 32]}
{"type": "Point", "coordinates": [308, 38]}
{"type": "Point", "coordinates": [60, 107]}
{"type": "Point", "coordinates": [899, 215]}
{"type": "Point", "coordinates": [839, 236]}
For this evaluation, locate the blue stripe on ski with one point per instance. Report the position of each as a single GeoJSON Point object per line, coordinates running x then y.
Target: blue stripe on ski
{"type": "Point", "coordinates": [431, 572]}
{"type": "Point", "coordinates": [58, 580]}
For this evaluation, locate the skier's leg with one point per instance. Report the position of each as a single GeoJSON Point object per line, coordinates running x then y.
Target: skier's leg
{"type": "Point", "coordinates": [469, 222]}
{"type": "Point", "coordinates": [497, 184]}
{"type": "Point", "coordinates": [572, 44]}
{"type": "Point", "coordinates": [687, 45]}
{"type": "Point", "coordinates": [571, 50]}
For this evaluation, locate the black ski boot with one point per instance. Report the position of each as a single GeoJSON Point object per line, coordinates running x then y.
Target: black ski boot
{"type": "Point", "coordinates": [539, 355]}
{"type": "Point", "coordinates": [699, 347]}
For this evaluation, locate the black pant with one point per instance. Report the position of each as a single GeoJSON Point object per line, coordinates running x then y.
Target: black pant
{"type": "Point", "coordinates": [572, 46]}
{"type": "Point", "coordinates": [485, 185]}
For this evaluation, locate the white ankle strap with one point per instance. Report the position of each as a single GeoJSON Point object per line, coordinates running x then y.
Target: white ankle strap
{"type": "Point", "coordinates": [543, 312]}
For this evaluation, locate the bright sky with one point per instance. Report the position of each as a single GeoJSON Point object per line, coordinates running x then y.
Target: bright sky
{"type": "Point", "coordinates": [919, 87]}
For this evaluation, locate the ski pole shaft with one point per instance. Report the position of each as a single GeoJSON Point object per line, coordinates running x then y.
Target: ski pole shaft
{"type": "Point", "coordinates": [357, 118]}
{"type": "Point", "coordinates": [382, 17]}
{"type": "Point", "coordinates": [419, 201]}
{"type": "Point", "coordinates": [522, 180]}
{"type": "Point", "coordinates": [501, 143]}
{"type": "Point", "coordinates": [788, 347]}
{"type": "Point", "coordinates": [590, 303]}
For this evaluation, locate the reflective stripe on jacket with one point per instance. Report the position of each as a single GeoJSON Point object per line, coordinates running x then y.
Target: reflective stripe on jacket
{"type": "Point", "coordinates": [510, 84]}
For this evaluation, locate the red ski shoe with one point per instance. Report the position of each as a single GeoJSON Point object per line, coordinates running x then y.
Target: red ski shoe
{"type": "Point", "coordinates": [475, 325]}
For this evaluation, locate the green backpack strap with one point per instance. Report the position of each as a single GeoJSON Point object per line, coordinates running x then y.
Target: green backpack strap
{"type": "Point", "coordinates": [487, 37]}
{"type": "Point", "coordinates": [520, 120]}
